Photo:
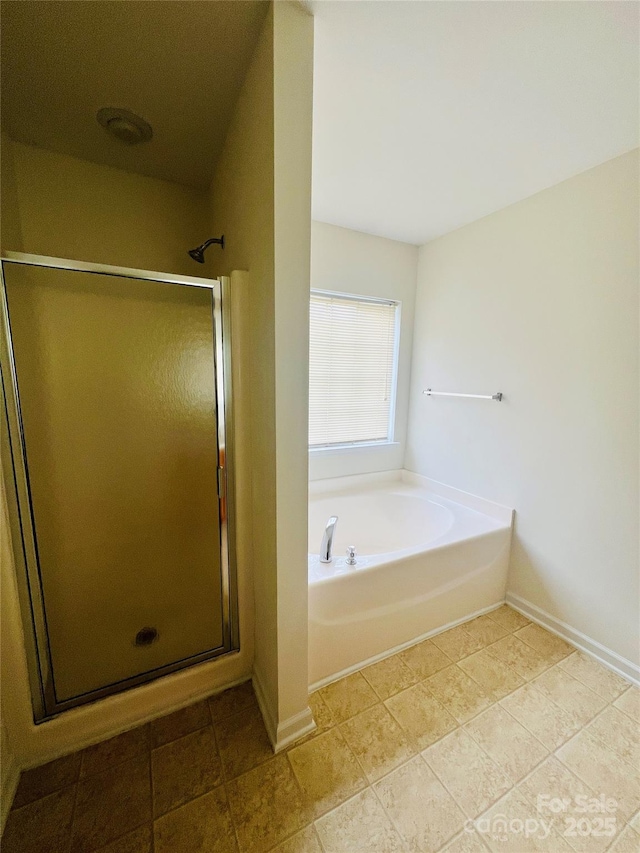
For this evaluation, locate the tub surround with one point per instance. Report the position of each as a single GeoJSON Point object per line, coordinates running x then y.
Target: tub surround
{"type": "Point", "coordinates": [444, 561]}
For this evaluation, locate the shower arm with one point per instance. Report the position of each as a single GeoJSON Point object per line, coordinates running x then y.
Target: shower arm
{"type": "Point", "coordinates": [198, 253]}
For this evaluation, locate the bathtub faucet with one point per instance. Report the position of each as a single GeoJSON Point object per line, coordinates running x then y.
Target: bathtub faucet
{"type": "Point", "coordinates": [327, 540]}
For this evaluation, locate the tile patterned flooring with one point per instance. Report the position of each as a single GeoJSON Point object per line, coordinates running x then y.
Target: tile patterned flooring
{"type": "Point", "coordinates": [464, 731]}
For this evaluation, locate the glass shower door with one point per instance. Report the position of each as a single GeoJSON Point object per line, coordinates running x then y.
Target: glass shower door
{"type": "Point", "coordinates": [117, 386]}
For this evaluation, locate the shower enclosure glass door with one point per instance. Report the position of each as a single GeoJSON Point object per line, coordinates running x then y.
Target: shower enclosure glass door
{"type": "Point", "coordinates": [114, 384]}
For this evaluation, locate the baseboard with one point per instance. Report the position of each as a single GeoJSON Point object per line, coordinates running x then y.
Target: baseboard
{"type": "Point", "coordinates": [10, 779]}
{"type": "Point", "coordinates": [390, 652]}
{"type": "Point", "coordinates": [293, 728]}
{"type": "Point", "coordinates": [607, 657]}
{"type": "Point", "coordinates": [284, 733]}
{"type": "Point", "coordinates": [268, 713]}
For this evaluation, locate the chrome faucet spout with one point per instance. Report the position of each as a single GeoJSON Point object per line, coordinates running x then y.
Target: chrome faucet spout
{"type": "Point", "coordinates": [326, 546]}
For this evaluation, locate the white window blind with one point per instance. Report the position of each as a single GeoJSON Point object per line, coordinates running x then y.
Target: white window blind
{"type": "Point", "coordinates": [352, 364]}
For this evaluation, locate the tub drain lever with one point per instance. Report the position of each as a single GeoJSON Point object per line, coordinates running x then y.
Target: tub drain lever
{"type": "Point", "coordinates": [351, 555]}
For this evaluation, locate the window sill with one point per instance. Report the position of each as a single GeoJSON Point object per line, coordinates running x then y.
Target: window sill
{"type": "Point", "coordinates": [352, 448]}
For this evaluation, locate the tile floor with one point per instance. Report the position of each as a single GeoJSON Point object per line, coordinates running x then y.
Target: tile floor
{"type": "Point", "coordinates": [461, 732]}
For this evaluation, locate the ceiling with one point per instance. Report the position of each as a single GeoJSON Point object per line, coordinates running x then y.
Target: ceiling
{"type": "Point", "coordinates": [179, 65]}
{"type": "Point", "coordinates": [429, 115]}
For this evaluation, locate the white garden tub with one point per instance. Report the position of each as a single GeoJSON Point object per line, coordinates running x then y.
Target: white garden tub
{"type": "Point", "coordinates": [428, 556]}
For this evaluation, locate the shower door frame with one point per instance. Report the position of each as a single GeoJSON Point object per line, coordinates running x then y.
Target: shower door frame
{"type": "Point", "coordinates": [20, 508]}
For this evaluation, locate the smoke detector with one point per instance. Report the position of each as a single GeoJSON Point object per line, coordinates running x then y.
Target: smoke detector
{"type": "Point", "coordinates": [124, 125]}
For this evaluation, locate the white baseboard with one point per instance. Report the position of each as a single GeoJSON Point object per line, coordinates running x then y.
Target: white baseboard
{"type": "Point", "coordinates": [284, 733]}
{"type": "Point", "coordinates": [389, 652]}
{"type": "Point", "coordinates": [607, 657]}
{"type": "Point", "coordinates": [294, 728]}
{"type": "Point", "coordinates": [10, 779]}
{"type": "Point", "coordinates": [268, 713]}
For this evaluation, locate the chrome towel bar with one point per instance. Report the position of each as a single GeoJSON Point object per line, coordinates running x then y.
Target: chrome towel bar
{"type": "Point", "coordinates": [431, 393]}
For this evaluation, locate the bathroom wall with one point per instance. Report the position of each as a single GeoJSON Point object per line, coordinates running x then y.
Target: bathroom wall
{"type": "Point", "coordinates": [353, 262]}
{"type": "Point", "coordinates": [242, 193]}
{"type": "Point", "coordinates": [10, 238]}
{"type": "Point", "coordinates": [10, 229]}
{"type": "Point", "coordinates": [540, 301]}
{"type": "Point", "coordinates": [72, 208]}
{"type": "Point", "coordinates": [260, 198]}
{"type": "Point", "coordinates": [293, 119]}
{"type": "Point", "coordinates": [9, 775]}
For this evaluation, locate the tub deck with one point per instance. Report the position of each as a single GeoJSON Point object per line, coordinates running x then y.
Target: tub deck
{"type": "Point", "coordinates": [453, 565]}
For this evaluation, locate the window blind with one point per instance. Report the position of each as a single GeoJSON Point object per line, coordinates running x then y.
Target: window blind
{"type": "Point", "coordinates": [351, 369]}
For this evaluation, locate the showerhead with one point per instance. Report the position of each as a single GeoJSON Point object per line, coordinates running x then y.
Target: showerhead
{"type": "Point", "coordinates": [198, 253]}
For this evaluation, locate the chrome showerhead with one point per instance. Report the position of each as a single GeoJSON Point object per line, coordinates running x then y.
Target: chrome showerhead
{"type": "Point", "coordinates": [198, 253]}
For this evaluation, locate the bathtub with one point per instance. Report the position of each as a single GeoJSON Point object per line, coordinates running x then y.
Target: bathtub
{"type": "Point", "coordinates": [428, 556]}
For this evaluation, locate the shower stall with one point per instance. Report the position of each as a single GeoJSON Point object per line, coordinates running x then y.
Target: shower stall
{"type": "Point", "coordinates": [118, 459]}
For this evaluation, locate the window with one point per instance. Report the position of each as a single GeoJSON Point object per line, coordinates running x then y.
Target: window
{"type": "Point", "coordinates": [352, 369]}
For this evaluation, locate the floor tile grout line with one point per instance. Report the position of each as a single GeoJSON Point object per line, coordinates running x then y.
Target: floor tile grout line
{"type": "Point", "coordinates": [151, 789]}
{"type": "Point", "coordinates": [572, 647]}
{"type": "Point", "coordinates": [460, 806]}
{"type": "Point", "coordinates": [589, 789]}
{"type": "Point", "coordinates": [575, 773]}
{"type": "Point", "coordinates": [126, 832]}
{"type": "Point", "coordinates": [303, 798]}
{"type": "Point", "coordinates": [461, 834]}
{"type": "Point", "coordinates": [582, 684]}
{"type": "Point", "coordinates": [293, 835]}
{"type": "Point", "coordinates": [582, 782]}
{"type": "Point", "coordinates": [600, 713]}
{"type": "Point", "coordinates": [231, 817]}
{"type": "Point", "coordinates": [577, 678]}
{"type": "Point", "coordinates": [583, 730]}
{"type": "Point", "coordinates": [73, 811]}
{"type": "Point", "coordinates": [401, 836]}
{"type": "Point", "coordinates": [528, 730]}
{"type": "Point", "coordinates": [526, 680]}
{"type": "Point", "coordinates": [355, 758]}
{"type": "Point", "coordinates": [120, 837]}
{"type": "Point", "coordinates": [584, 727]}
{"type": "Point", "coordinates": [402, 763]}
{"type": "Point", "coordinates": [488, 695]}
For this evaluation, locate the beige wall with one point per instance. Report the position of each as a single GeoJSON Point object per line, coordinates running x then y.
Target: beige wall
{"type": "Point", "coordinates": [293, 107]}
{"type": "Point", "coordinates": [242, 208]}
{"type": "Point", "coordinates": [71, 208]}
{"type": "Point", "coordinates": [10, 239]}
{"type": "Point", "coordinates": [10, 230]}
{"type": "Point", "coordinates": [353, 262]}
{"type": "Point", "coordinates": [261, 201]}
{"type": "Point", "coordinates": [540, 301]}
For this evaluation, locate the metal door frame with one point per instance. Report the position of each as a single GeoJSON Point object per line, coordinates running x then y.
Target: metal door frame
{"type": "Point", "coordinates": [21, 519]}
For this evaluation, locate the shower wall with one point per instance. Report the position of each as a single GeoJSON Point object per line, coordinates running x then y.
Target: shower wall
{"type": "Point", "coordinates": [261, 201]}
{"type": "Point", "coordinates": [88, 212]}
{"type": "Point", "coordinates": [71, 208]}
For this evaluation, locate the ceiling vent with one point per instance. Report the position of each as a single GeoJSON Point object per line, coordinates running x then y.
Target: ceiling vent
{"type": "Point", "coordinates": [124, 125]}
